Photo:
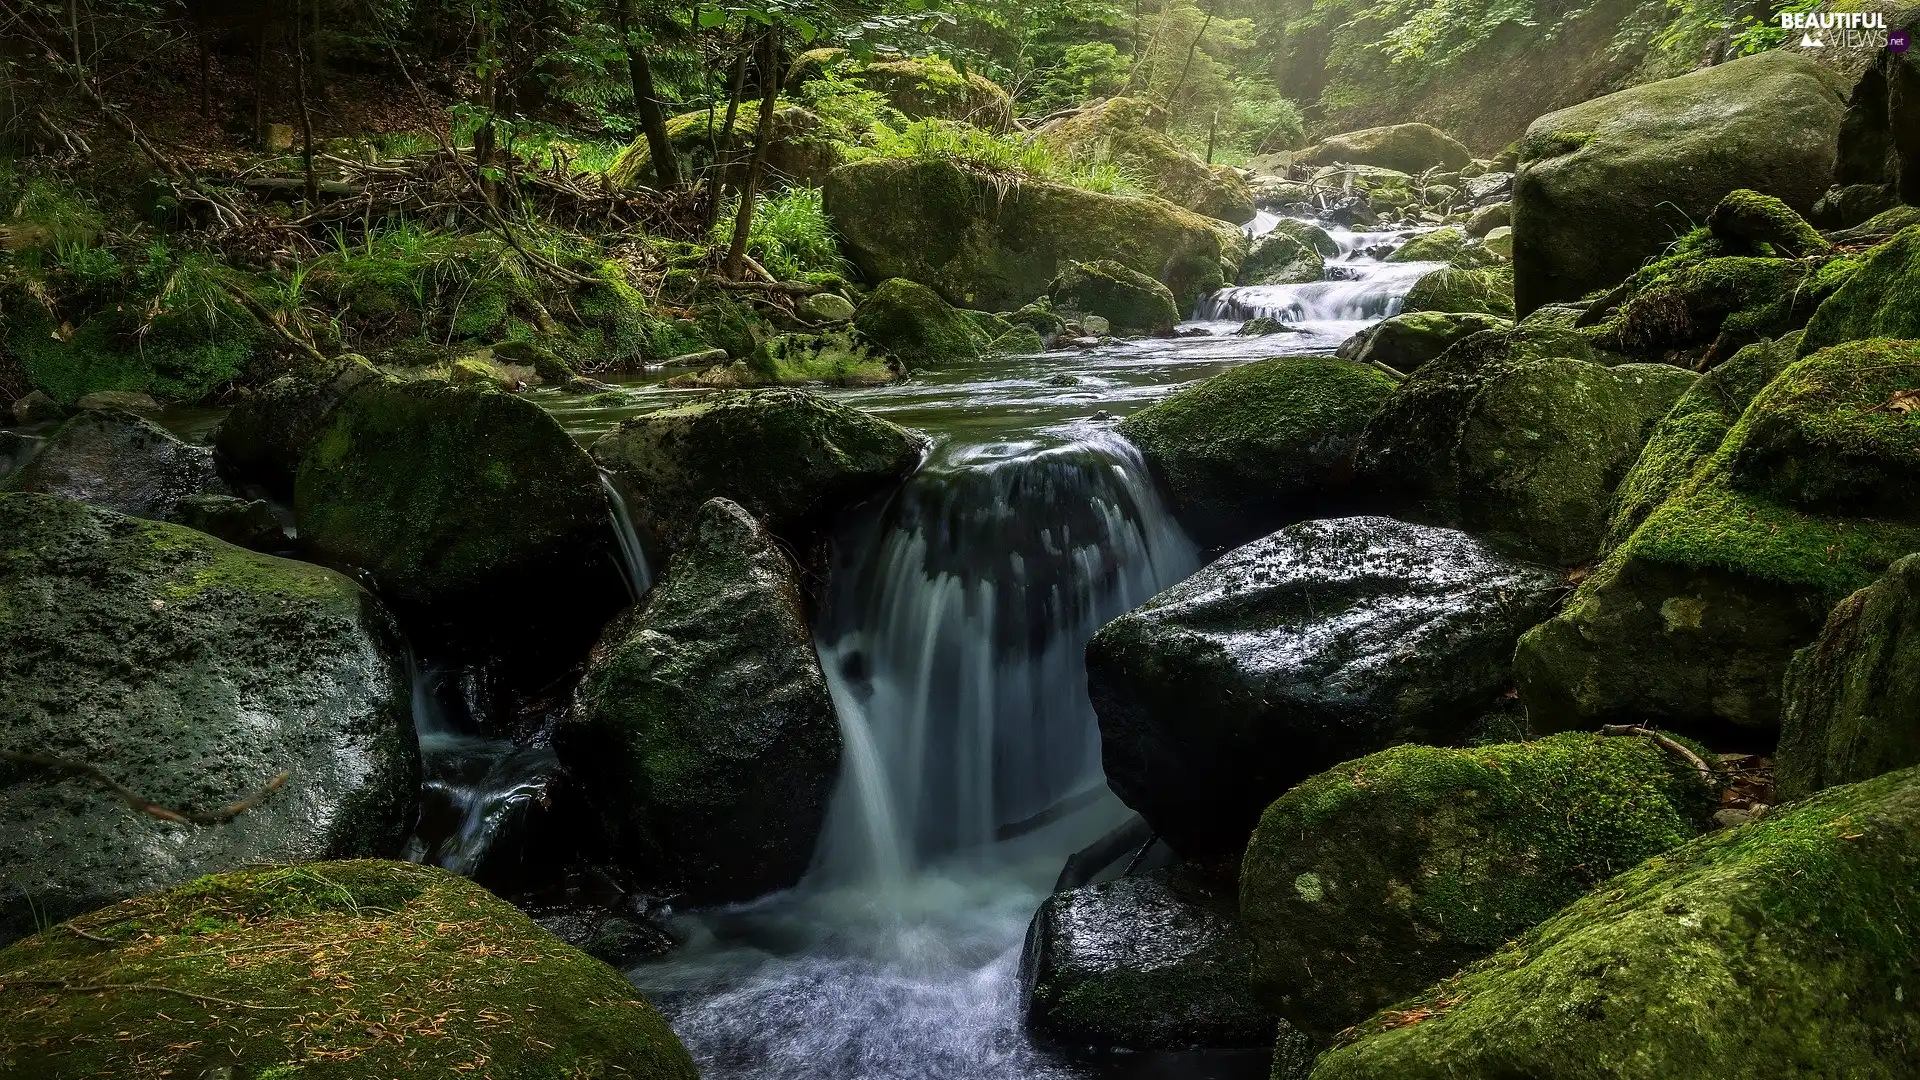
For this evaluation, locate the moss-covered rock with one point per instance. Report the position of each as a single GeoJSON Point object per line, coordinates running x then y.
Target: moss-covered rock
{"type": "Point", "coordinates": [1130, 133]}
{"type": "Point", "coordinates": [193, 673]}
{"type": "Point", "coordinates": [1131, 302]}
{"type": "Point", "coordinates": [1852, 698]}
{"type": "Point", "coordinates": [176, 355]}
{"type": "Point", "coordinates": [1690, 432]}
{"type": "Point", "coordinates": [1405, 342]}
{"type": "Point", "coordinates": [333, 971]}
{"type": "Point", "coordinates": [1748, 219]}
{"type": "Point", "coordinates": [1488, 292]}
{"type": "Point", "coordinates": [1607, 184]}
{"type": "Point", "coordinates": [834, 359]}
{"type": "Point", "coordinates": [1319, 643]}
{"type": "Point", "coordinates": [1254, 448]}
{"type": "Point", "coordinates": [931, 87]}
{"type": "Point", "coordinates": [801, 150]}
{"type": "Point", "coordinates": [1291, 253]}
{"type": "Point", "coordinates": [122, 462]}
{"type": "Point", "coordinates": [793, 459]}
{"type": "Point", "coordinates": [702, 728]}
{"type": "Point", "coordinates": [1156, 961]}
{"type": "Point", "coordinates": [1701, 311]}
{"type": "Point", "coordinates": [469, 503]}
{"type": "Point", "coordinates": [268, 430]}
{"type": "Point", "coordinates": [1691, 621]}
{"type": "Point", "coordinates": [913, 323]}
{"type": "Point", "coordinates": [983, 242]}
{"type": "Point", "coordinates": [1522, 449]}
{"type": "Point", "coordinates": [1880, 299]}
{"type": "Point", "coordinates": [1448, 245]}
{"type": "Point", "coordinates": [1409, 148]}
{"type": "Point", "coordinates": [1777, 948]}
{"type": "Point", "coordinates": [1372, 880]}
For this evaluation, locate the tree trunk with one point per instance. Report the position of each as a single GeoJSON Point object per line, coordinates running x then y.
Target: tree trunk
{"type": "Point", "coordinates": [762, 139]}
{"type": "Point", "coordinates": [306, 114]}
{"type": "Point", "coordinates": [653, 121]}
{"type": "Point", "coordinates": [717, 175]}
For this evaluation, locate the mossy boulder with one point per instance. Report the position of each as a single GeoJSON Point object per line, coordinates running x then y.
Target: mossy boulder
{"type": "Point", "coordinates": [1691, 431]}
{"type": "Point", "coordinates": [269, 429]}
{"type": "Point", "coordinates": [1406, 342]}
{"type": "Point", "coordinates": [1155, 961]}
{"type": "Point", "coordinates": [801, 150]}
{"type": "Point", "coordinates": [791, 458]}
{"type": "Point", "coordinates": [1319, 643]}
{"type": "Point", "coordinates": [1608, 183]}
{"type": "Point", "coordinates": [120, 461]}
{"type": "Point", "coordinates": [702, 728]}
{"type": "Point", "coordinates": [1691, 621]}
{"type": "Point", "coordinates": [1408, 148]}
{"type": "Point", "coordinates": [984, 243]}
{"type": "Point", "coordinates": [177, 355]}
{"type": "Point", "coordinates": [1700, 311]}
{"type": "Point", "coordinates": [1131, 302]}
{"type": "Point", "coordinates": [1380, 876]}
{"type": "Point", "coordinates": [1254, 448]}
{"type": "Point", "coordinates": [916, 325]}
{"type": "Point", "coordinates": [1524, 450]}
{"type": "Point", "coordinates": [334, 971]}
{"type": "Point", "coordinates": [1852, 698]}
{"type": "Point", "coordinates": [926, 87]}
{"type": "Point", "coordinates": [1880, 299]}
{"type": "Point", "coordinates": [837, 358]}
{"type": "Point", "coordinates": [1776, 948]}
{"type": "Point", "coordinates": [1747, 219]}
{"type": "Point", "coordinates": [1291, 253]}
{"type": "Point", "coordinates": [1448, 245]}
{"type": "Point", "coordinates": [193, 673]}
{"type": "Point", "coordinates": [469, 507]}
{"type": "Point", "coordinates": [1130, 133]}
{"type": "Point", "coordinates": [1488, 292]}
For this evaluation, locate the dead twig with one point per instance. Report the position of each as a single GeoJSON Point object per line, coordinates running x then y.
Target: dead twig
{"type": "Point", "coordinates": [92, 988]}
{"type": "Point", "coordinates": [1670, 745]}
{"type": "Point", "coordinates": [140, 803]}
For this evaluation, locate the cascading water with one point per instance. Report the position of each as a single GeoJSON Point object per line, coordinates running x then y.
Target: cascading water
{"type": "Point", "coordinates": [1359, 286]}
{"type": "Point", "coordinates": [633, 558]}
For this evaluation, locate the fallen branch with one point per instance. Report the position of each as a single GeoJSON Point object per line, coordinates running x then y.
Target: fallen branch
{"type": "Point", "coordinates": [260, 312]}
{"type": "Point", "coordinates": [139, 803]}
{"type": "Point", "coordinates": [784, 288]}
{"type": "Point", "coordinates": [1672, 746]}
{"type": "Point", "coordinates": [91, 988]}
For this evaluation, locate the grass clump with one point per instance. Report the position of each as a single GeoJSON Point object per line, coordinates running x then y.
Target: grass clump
{"type": "Point", "coordinates": [1012, 156]}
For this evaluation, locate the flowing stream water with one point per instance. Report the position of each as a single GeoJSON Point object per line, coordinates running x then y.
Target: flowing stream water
{"type": "Point", "coordinates": [952, 638]}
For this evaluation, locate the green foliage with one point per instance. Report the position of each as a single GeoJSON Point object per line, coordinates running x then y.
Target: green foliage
{"type": "Point", "coordinates": [1085, 70]}
{"type": "Point", "coordinates": [791, 236]}
{"type": "Point", "coordinates": [1012, 156]}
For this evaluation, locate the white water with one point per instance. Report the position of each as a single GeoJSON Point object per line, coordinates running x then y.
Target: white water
{"type": "Point", "coordinates": [634, 569]}
{"type": "Point", "coordinates": [1358, 289]}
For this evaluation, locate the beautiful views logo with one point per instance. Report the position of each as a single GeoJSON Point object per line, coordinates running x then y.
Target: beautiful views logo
{"type": "Point", "coordinates": [1842, 30]}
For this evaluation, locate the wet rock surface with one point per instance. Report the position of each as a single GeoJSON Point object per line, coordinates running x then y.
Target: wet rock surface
{"type": "Point", "coordinates": [1319, 643]}
{"type": "Point", "coordinates": [122, 462]}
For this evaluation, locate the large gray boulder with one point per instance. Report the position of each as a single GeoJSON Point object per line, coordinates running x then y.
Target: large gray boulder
{"type": "Point", "coordinates": [1152, 962]}
{"type": "Point", "coordinates": [790, 458]}
{"type": "Point", "coordinates": [1408, 148]}
{"type": "Point", "coordinates": [1609, 183]}
{"type": "Point", "coordinates": [1322, 642]}
{"type": "Point", "coordinates": [122, 462]}
{"type": "Point", "coordinates": [192, 673]}
{"type": "Point", "coordinates": [702, 728]}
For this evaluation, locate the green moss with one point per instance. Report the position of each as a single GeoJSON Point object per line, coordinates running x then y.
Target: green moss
{"type": "Point", "coordinates": [171, 357]}
{"type": "Point", "coordinates": [1763, 223]}
{"type": "Point", "coordinates": [1449, 245]}
{"type": "Point", "coordinates": [913, 323]}
{"type": "Point", "coordinates": [1486, 291]}
{"type": "Point", "coordinates": [1131, 302]}
{"type": "Point", "coordinates": [930, 86]}
{"type": "Point", "coordinates": [298, 971]}
{"type": "Point", "coordinates": [1368, 881]}
{"type": "Point", "coordinates": [836, 359]}
{"type": "Point", "coordinates": [1777, 948]}
{"type": "Point", "coordinates": [1130, 133]}
{"type": "Point", "coordinates": [1726, 302]}
{"type": "Point", "coordinates": [1878, 300]}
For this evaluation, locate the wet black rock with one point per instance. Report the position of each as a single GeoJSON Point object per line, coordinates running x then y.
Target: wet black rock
{"type": "Point", "coordinates": [120, 462]}
{"type": "Point", "coordinates": [1322, 642]}
{"type": "Point", "coordinates": [192, 672]}
{"type": "Point", "coordinates": [1153, 962]}
{"type": "Point", "coordinates": [267, 431]}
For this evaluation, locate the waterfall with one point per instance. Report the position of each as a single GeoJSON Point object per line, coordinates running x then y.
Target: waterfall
{"type": "Point", "coordinates": [953, 641]}
{"type": "Point", "coordinates": [633, 558]}
{"type": "Point", "coordinates": [475, 792]}
{"type": "Point", "coordinates": [1358, 286]}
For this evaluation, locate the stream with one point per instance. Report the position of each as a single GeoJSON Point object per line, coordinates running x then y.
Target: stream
{"type": "Point", "coordinates": [952, 639]}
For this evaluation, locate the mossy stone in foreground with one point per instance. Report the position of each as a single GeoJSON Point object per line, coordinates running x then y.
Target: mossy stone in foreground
{"type": "Point", "coordinates": [1691, 621]}
{"type": "Point", "coordinates": [192, 672]}
{"type": "Point", "coordinates": [1131, 302]}
{"type": "Point", "coordinates": [791, 458]}
{"type": "Point", "coordinates": [1852, 698]}
{"type": "Point", "coordinates": [324, 971]}
{"type": "Point", "coordinates": [1882, 299]}
{"type": "Point", "coordinates": [119, 461]}
{"type": "Point", "coordinates": [1244, 451]}
{"type": "Point", "coordinates": [703, 729]}
{"type": "Point", "coordinates": [444, 491]}
{"type": "Point", "coordinates": [1377, 877]}
{"type": "Point", "coordinates": [1748, 218]}
{"type": "Point", "coordinates": [1780, 948]}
